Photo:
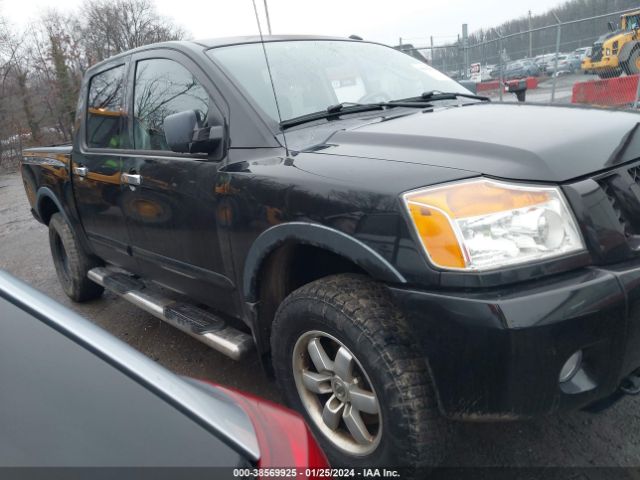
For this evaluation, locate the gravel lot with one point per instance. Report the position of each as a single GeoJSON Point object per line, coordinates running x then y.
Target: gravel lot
{"type": "Point", "coordinates": [579, 439]}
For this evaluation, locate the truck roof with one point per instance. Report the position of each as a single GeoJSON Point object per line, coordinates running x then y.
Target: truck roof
{"type": "Point", "coordinates": [222, 42]}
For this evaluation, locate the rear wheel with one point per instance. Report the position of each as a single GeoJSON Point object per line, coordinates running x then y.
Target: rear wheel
{"type": "Point", "coordinates": [71, 261]}
{"type": "Point", "coordinates": [632, 66]}
{"type": "Point", "coordinates": [344, 358]}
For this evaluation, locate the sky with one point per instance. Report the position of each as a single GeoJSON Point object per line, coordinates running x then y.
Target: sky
{"type": "Point", "coordinates": [384, 21]}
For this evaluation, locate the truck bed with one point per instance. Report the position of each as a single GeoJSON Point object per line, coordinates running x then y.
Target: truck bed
{"type": "Point", "coordinates": [47, 167]}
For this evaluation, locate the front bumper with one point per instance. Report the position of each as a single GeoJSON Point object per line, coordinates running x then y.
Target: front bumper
{"type": "Point", "coordinates": [605, 63]}
{"type": "Point", "coordinates": [497, 354]}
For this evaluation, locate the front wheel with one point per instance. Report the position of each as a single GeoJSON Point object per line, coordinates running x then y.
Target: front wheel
{"type": "Point", "coordinates": [344, 358]}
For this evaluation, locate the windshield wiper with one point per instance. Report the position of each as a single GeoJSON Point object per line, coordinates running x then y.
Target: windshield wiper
{"type": "Point", "coordinates": [330, 112]}
{"type": "Point", "coordinates": [333, 111]}
{"type": "Point", "coordinates": [434, 95]}
{"type": "Point", "coordinates": [340, 106]}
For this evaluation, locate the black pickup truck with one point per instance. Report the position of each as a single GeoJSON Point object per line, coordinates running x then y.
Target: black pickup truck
{"type": "Point", "coordinates": [398, 251]}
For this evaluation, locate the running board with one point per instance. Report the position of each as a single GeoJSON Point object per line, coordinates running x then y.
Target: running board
{"type": "Point", "coordinates": [194, 321]}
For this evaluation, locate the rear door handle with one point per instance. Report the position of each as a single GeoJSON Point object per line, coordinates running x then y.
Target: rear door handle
{"type": "Point", "coordinates": [81, 171]}
{"type": "Point", "coordinates": [131, 179]}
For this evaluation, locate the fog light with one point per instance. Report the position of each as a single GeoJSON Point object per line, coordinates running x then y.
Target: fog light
{"type": "Point", "coordinates": [571, 367]}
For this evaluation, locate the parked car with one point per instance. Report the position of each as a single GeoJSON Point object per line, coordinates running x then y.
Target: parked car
{"type": "Point", "coordinates": [542, 61]}
{"type": "Point", "coordinates": [566, 64]}
{"type": "Point", "coordinates": [583, 52]}
{"type": "Point", "coordinates": [495, 71]}
{"type": "Point", "coordinates": [394, 260]}
{"type": "Point", "coordinates": [485, 72]}
{"type": "Point", "coordinates": [574, 61]}
{"type": "Point", "coordinates": [75, 396]}
{"type": "Point", "coordinates": [517, 69]}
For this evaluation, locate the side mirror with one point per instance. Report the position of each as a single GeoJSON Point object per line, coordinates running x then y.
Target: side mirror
{"type": "Point", "coordinates": [612, 26]}
{"type": "Point", "coordinates": [185, 133]}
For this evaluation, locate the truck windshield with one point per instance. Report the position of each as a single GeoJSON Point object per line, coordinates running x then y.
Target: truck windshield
{"type": "Point", "coordinates": [311, 75]}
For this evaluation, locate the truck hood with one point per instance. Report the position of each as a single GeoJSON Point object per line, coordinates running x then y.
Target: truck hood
{"type": "Point", "coordinates": [511, 141]}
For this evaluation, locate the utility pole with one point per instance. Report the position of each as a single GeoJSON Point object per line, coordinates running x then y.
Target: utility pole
{"type": "Point", "coordinates": [530, 37]}
{"type": "Point", "coordinates": [459, 61]}
{"type": "Point", "coordinates": [465, 49]}
{"type": "Point", "coordinates": [266, 12]}
{"type": "Point", "coordinates": [555, 62]}
{"type": "Point", "coordinates": [433, 56]}
{"type": "Point", "coordinates": [501, 73]}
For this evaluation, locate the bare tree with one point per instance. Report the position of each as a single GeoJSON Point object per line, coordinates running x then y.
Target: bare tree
{"type": "Point", "coordinates": [41, 71]}
{"type": "Point", "coordinates": [112, 27]}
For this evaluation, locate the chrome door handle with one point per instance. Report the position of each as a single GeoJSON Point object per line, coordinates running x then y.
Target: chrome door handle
{"type": "Point", "coordinates": [131, 179]}
{"type": "Point", "coordinates": [81, 171]}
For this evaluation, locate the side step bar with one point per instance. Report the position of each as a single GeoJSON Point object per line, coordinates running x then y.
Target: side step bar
{"type": "Point", "coordinates": [194, 321]}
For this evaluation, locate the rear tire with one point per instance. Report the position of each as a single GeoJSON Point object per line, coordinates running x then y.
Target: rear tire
{"type": "Point", "coordinates": [632, 65]}
{"type": "Point", "coordinates": [352, 315]}
{"type": "Point", "coordinates": [72, 262]}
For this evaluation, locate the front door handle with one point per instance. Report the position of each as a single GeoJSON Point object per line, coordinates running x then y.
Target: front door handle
{"type": "Point", "coordinates": [81, 171]}
{"type": "Point", "coordinates": [131, 179]}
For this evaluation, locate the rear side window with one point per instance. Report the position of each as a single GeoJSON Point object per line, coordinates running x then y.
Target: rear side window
{"type": "Point", "coordinates": [105, 115]}
{"type": "Point", "coordinates": [163, 87]}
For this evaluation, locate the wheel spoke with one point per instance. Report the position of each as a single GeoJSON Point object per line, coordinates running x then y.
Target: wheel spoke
{"type": "Point", "coordinates": [343, 364]}
{"type": "Point", "coordinates": [356, 425]}
{"type": "Point", "coordinates": [363, 400]}
{"type": "Point", "coordinates": [317, 382]}
{"type": "Point", "coordinates": [332, 412]}
{"type": "Point", "coordinates": [319, 357]}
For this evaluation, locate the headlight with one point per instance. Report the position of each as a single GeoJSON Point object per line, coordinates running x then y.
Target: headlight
{"type": "Point", "coordinates": [485, 224]}
{"type": "Point", "coordinates": [607, 52]}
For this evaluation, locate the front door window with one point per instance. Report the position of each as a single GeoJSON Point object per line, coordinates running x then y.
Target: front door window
{"type": "Point", "coordinates": [163, 87]}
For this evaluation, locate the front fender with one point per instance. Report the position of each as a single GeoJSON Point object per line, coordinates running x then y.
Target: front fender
{"type": "Point", "coordinates": [318, 236]}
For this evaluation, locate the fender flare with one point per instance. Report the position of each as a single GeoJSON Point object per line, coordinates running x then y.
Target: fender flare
{"type": "Point", "coordinates": [46, 192]}
{"type": "Point", "coordinates": [318, 236]}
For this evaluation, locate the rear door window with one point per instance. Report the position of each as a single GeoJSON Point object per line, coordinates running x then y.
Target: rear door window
{"type": "Point", "coordinates": [105, 125]}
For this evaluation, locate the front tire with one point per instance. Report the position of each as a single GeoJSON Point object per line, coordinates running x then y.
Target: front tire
{"type": "Point", "coordinates": [71, 261]}
{"type": "Point", "coordinates": [344, 358]}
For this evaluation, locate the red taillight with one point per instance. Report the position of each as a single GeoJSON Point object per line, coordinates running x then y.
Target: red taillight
{"type": "Point", "coordinates": [283, 437]}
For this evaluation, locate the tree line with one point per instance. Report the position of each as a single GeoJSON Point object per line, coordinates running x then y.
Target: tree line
{"type": "Point", "coordinates": [484, 47]}
{"type": "Point", "coordinates": [41, 68]}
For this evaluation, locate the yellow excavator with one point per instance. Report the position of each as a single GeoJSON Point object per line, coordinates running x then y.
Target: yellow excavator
{"type": "Point", "coordinates": [617, 51]}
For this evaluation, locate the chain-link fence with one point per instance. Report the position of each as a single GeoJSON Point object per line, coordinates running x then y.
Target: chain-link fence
{"type": "Point", "coordinates": [10, 152]}
{"type": "Point", "coordinates": [594, 60]}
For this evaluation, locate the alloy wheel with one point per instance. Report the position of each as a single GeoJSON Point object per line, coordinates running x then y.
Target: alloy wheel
{"type": "Point", "coordinates": [336, 392]}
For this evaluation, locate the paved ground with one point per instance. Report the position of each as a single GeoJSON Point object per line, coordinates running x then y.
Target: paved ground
{"type": "Point", "coordinates": [574, 440]}
{"type": "Point", "coordinates": [542, 94]}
